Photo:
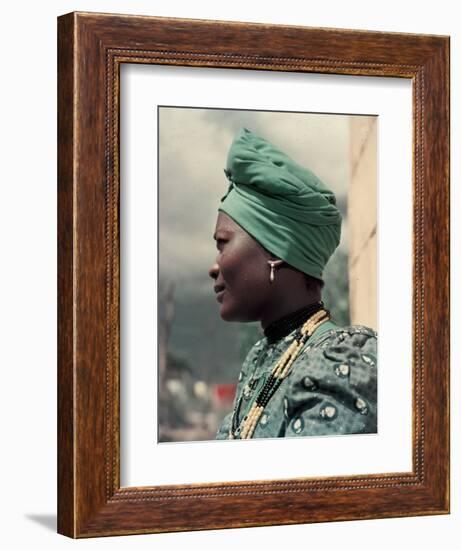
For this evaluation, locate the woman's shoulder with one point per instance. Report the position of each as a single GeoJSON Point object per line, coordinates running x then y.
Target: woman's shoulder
{"type": "Point", "coordinates": [334, 332]}
{"type": "Point", "coordinates": [344, 342]}
{"type": "Point", "coordinates": [354, 346]}
{"type": "Point", "coordinates": [332, 387]}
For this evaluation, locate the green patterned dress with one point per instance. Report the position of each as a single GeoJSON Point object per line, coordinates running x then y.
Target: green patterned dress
{"type": "Point", "coordinates": [331, 389]}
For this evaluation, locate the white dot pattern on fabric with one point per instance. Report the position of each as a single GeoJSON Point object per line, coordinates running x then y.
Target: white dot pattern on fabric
{"type": "Point", "coordinates": [328, 412]}
{"type": "Point", "coordinates": [342, 370]}
{"type": "Point", "coordinates": [368, 360]}
{"type": "Point", "coordinates": [308, 383]}
{"type": "Point", "coordinates": [297, 425]}
{"type": "Point", "coordinates": [361, 405]}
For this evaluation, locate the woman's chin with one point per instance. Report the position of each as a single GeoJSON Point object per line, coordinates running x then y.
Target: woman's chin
{"type": "Point", "coordinates": [230, 314]}
{"type": "Point", "coordinates": [227, 315]}
{"type": "Point", "coordinates": [227, 312]}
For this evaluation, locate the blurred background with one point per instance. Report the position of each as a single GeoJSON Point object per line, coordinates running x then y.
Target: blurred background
{"type": "Point", "coordinates": [199, 354]}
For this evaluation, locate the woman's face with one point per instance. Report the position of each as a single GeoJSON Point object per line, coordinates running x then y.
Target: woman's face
{"type": "Point", "coordinates": [240, 273]}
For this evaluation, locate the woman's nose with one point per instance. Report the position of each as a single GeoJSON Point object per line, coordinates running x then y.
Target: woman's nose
{"type": "Point", "coordinates": [214, 271]}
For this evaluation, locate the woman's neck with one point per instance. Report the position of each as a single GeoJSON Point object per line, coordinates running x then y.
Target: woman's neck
{"type": "Point", "coordinates": [288, 323]}
{"type": "Point", "coordinates": [290, 305]}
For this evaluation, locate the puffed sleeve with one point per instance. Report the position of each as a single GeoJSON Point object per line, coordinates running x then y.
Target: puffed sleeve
{"type": "Point", "coordinates": [332, 388]}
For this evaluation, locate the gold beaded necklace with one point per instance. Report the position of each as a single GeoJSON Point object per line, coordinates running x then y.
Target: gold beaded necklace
{"type": "Point", "coordinates": [279, 372]}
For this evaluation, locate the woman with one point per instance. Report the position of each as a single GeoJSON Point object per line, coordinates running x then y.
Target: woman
{"type": "Point", "coordinates": [277, 227]}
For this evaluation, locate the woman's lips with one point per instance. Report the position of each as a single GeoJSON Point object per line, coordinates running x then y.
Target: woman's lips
{"type": "Point", "coordinates": [219, 289]}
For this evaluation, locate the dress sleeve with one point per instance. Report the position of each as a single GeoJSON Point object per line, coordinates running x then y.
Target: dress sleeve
{"type": "Point", "coordinates": [332, 388]}
{"type": "Point", "coordinates": [224, 428]}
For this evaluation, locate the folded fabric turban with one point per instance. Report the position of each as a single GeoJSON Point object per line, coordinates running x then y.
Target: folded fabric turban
{"type": "Point", "coordinates": [282, 205]}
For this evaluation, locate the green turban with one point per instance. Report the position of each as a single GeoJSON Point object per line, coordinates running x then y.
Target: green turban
{"type": "Point", "coordinates": [282, 205]}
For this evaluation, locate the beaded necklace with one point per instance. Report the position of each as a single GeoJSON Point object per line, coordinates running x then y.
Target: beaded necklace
{"type": "Point", "coordinates": [279, 372]}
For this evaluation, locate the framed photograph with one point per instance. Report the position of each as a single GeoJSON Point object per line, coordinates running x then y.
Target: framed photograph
{"type": "Point", "coordinates": [244, 211]}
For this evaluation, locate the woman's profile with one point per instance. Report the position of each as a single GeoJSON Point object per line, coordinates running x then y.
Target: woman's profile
{"type": "Point", "coordinates": [276, 229]}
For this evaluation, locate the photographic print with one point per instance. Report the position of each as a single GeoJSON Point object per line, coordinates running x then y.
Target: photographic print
{"type": "Point", "coordinates": [267, 292]}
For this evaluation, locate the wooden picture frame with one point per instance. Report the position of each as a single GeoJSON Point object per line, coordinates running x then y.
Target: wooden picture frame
{"type": "Point", "coordinates": [92, 48]}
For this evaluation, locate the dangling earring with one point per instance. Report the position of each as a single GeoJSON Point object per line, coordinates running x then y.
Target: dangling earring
{"type": "Point", "coordinates": [273, 264]}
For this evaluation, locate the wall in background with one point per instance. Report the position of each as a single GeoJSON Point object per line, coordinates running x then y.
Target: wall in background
{"type": "Point", "coordinates": [362, 207]}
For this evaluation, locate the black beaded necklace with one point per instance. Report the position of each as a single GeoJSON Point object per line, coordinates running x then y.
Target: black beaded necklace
{"type": "Point", "coordinates": [282, 327]}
